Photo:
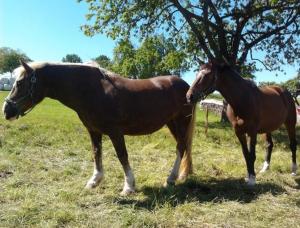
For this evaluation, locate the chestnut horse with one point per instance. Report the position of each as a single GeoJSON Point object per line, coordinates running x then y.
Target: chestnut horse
{"type": "Point", "coordinates": [251, 110]}
{"type": "Point", "coordinates": [109, 104]}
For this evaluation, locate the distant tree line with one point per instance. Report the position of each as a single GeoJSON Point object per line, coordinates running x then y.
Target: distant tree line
{"type": "Point", "coordinates": [155, 56]}
{"type": "Point", "coordinates": [10, 59]}
{"type": "Point", "coordinates": [293, 85]}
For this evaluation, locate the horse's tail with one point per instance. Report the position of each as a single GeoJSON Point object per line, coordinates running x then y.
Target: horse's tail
{"type": "Point", "coordinates": [186, 166]}
{"type": "Point", "coordinates": [296, 101]}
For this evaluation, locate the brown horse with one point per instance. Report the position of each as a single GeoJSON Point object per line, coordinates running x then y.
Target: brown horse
{"type": "Point", "coordinates": [251, 110]}
{"type": "Point", "coordinates": [109, 104]}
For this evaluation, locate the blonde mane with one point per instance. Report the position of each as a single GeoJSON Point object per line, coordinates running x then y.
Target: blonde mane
{"type": "Point", "coordinates": [36, 65]}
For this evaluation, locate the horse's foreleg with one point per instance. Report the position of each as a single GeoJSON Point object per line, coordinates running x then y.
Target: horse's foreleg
{"type": "Point", "coordinates": [252, 158]}
{"type": "Point", "coordinates": [120, 147]}
{"type": "Point", "coordinates": [293, 145]}
{"type": "Point", "coordinates": [97, 176]}
{"type": "Point", "coordinates": [269, 148]}
{"type": "Point", "coordinates": [250, 177]}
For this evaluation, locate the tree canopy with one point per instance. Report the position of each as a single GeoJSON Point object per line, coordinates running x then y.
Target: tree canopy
{"type": "Point", "coordinates": [293, 85]}
{"type": "Point", "coordinates": [155, 56]}
{"type": "Point", "coordinates": [10, 59]}
{"type": "Point", "coordinates": [71, 58]}
{"type": "Point", "coordinates": [104, 61]}
{"type": "Point", "coordinates": [123, 59]}
{"type": "Point", "coordinates": [228, 30]}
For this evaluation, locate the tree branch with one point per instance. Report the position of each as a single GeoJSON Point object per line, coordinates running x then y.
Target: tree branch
{"type": "Point", "coordinates": [220, 30]}
{"type": "Point", "coordinates": [239, 29]}
{"type": "Point", "coordinates": [254, 59]}
{"type": "Point", "coordinates": [201, 40]}
{"type": "Point", "coordinates": [266, 35]}
{"type": "Point", "coordinates": [208, 33]}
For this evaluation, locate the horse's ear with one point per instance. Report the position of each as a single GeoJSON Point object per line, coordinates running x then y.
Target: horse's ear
{"type": "Point", "coordinates": [26, 67]}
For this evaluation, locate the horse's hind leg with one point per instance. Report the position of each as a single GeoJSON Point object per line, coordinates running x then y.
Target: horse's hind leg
{"type": "Point", "coordinates": [119, 144]}
{"type": "Point", "coordinates": [179, 151]}
{"type": "Point", "coordinates": [181, 128]}
{"type": "Point", "coordinates": [291, 129]}
{"type": "Point", "coordinates": [96, 140]}
{"type": "Point", "coordinates": [269, 148]}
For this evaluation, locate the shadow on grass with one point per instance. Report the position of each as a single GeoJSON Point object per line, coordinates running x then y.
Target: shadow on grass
{"type": "Point", "coordinates": [298, 182]}
{"type": "Point", "coordinates": [215, 191]}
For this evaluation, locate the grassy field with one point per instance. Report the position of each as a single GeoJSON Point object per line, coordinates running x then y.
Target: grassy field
{"type": "Point", "coordinates": [45, 162]}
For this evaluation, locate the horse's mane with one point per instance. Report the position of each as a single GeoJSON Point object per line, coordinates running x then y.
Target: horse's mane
{"type": "Point", "coordinates": [35, 65]}
{"type": "Point", "coordinates": [103, 70]}
{"type": "Point", "coordinates": [237, 75]}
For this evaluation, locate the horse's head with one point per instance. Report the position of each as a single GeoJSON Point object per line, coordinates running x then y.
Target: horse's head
{"type": "Point", "coordinates": [205, 82]}
{"type": "Point", "coordinates": [25, 93]}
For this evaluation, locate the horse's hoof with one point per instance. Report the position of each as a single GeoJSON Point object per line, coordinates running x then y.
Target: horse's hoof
{"type": "Point", "coordinates": [251, 181]}
{"type": "Point", "coordinates": [182, 178]}
{"type": "Point", "coordinates": [168, 184]}
{"type": "Point", "coordinates": [127, 192]}
{"type": "Point", "coordinates": [91, 185]}
{"type": "Point", "coordinates": [294, 169]}
{"type": "Point", "coordinates": [94, 181]}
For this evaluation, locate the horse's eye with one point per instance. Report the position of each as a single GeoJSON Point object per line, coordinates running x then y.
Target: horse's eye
{"type": "Point", "coordinates": [19, 83]}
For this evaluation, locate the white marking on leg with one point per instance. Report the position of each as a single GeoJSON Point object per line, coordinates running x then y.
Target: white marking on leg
{"type": "Point", "coordinates": [95, 179]}
{"type": "Point", "coordinates": [129, 183]}
{"type": "Point", "coordinates": [294, 169]}
{"type": "Point", "coordinates": [251, 180]}
{"type": "Point", "coordinates": [174, 173]}
{"type": "Point", "coordinates": [265, 167]}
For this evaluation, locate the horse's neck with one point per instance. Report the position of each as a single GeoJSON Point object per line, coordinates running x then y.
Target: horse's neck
{"type": "Point", "coordinates": [232, 87]}
{"type": "Point", "coordinates": [60, 85]}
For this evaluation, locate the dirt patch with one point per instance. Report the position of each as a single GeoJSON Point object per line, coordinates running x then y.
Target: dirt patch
{"type": "Point", "coordinates": [5, 174]}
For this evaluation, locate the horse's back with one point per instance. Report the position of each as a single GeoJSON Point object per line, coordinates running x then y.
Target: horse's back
{"type": "Point", "coordinates": [276, 107]}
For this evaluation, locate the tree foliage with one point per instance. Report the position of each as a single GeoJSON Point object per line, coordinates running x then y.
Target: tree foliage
{"type": "Point", "coordinates": [104, 61]}
{"type": "Point", "coordinates": [123, 59]}
{"type": "Point", "coordinates": [71, 58]}
{"type": "Point", "coordinates": [293, 85]}
{"type": "Point", "coordinates": [155, 56]}
{"type": "Point", "coordinates": [10, 59]}
{"type": "Point", "coordinates": [228, 30]}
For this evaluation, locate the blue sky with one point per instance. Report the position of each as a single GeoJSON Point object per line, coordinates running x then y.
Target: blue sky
{"type": "Point", "coordinates": [48, 30]}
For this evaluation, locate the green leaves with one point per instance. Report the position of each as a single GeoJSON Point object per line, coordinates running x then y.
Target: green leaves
{"type": "Point", "coordinates": [71, 58]}
{"type": "Point", "coordinates": [206, 29]}
{"type": "Point", "coordinates": [10, 59]}
{"type": "Point", "coordinates": [155, 56]}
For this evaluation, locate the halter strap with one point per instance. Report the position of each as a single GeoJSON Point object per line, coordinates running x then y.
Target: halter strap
{"type": "Point", "coordinates": [17, 104]}
{"type": "Point", "coordinates": [203, 94]}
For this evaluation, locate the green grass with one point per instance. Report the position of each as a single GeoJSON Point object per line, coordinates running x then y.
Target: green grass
{"type": "Point", "coordinates": [45, 162]}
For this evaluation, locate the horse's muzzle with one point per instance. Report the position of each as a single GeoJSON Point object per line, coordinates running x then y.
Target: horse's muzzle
{"type": "Point", "coordinates": [10, 111]}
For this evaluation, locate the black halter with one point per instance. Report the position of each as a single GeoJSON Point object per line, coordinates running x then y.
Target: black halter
{"type": "Point", "coordinates": [18, 103]}
{"type": "Point", "coordinates": [203, 94]}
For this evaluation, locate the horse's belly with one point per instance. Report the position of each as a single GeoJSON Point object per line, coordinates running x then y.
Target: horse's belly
{"type": "Point", "coordinates": [142, 129]}
{"type": "Point", "coordinates": [271, 124]}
